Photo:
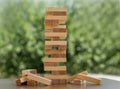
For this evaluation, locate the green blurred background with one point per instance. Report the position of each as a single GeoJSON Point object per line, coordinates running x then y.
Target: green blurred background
{"type": "Point", "coordinates": [93, 28]}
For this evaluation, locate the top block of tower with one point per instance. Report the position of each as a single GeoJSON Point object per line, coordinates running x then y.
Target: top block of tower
{"type": "Point", "coordinates": [57, 11]}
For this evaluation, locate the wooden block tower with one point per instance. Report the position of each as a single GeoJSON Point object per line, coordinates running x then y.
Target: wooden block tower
{"type": "Point", "coordinates": [55, 44]}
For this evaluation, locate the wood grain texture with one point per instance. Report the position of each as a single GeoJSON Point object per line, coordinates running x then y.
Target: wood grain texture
{"type": "Point", "coordinates": [63, 47]}
{"type": "Point", "coordinates": [55, 60]}
{"type": "Point", "coordinates": [49, 35]}
{"type": "Point", "coordinates": [33, 71]}
{"type": "Point", "coordinates": [58, 28]}
{"type": "Point", "coordinates": [50, 76]}
{"type": "Point", "coordinates": [39, 79]}
{"type": "Point", "coordinates": [88, 78]}
{"type": "Point", "coordinates": [56, 9]}
{"type": "Point", "coordinates": [75, 76]}
{"type": "Point", "coordinates": [56, 68]}
{"type": "Point", "coordinates": [51, 64]}
{"type": "Point", "coordinates": [55, 51]}
{"type": "Point", "coordinates": [55, 43]}
{"type": "Point", "coordinates": [61, 19]}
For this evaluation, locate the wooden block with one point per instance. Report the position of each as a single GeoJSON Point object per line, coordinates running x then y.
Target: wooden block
{"type": "Point", "coordinates": [18, 83]}
{"type": "Point", "coordinates": [57, 28]}
{"type": "Point", "coordinates": [59, 72]}
{"type": "Point", "coordinates": [77, 81]}
{"type": "Point", "coordinates": [56, 68]}
{"type": "Point", "coordinates": [39, 79]}
{"type": "Point", "coordinates": [51, 64]}
{"type": "Point", "coordinates": [50, 26]}
{"type": "Point", "coordinates": [72, 78]}
{"type": "Point", "coordinates": [88, 78]}
{"type": "Point", "coordinates": [55, 72]}
{"type": "Point", "coordinates": [51, 23]}
{"type": "Point", "coordinates": [19, 76]}
{"type": "Point", "coordinates": [49, 35]}
{"type": "Point", "coordinates": [50, 47]}
{"type": "Point", "coordinates": [49, 19]}
{"type": "Point", "coordinates": [75, 76]}
{"type": "Point", "coordinates": [55, 51]}
{"type": "Point", "coordinates": [61, 19]}
{"type": "Point", "coordinates": [62, 47]}
{"type": "Point", "coordinates": [55, 81]}
{"type": "Point", "coordinates": [32, 83]}
{"type": "Point", "coordinates": [56, 12]}
{"type": "Point", "coordinates": [50, 76]}
{"type": "Point", "coordinates": [55, 60]}
{"type": "Point", "coordinates": [23, 79]}
{"type": "Point", "coordinates": [84, 72]}
{"type": "Point", "coordinates": [33, 71]}
{"type": "Point", "coordinates": [59, 56]}
{"type": "Point", "coordinates": [63, 81]}
{"type": "Point", "coordinates": [55, 43]}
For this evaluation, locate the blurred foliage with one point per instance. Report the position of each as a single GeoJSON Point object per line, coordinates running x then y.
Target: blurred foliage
{"type": "Point", "coordinates": [93, 35]}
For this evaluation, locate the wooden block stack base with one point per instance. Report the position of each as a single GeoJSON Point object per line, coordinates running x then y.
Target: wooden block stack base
{"type": "Point", "coordinates": [31, 78]}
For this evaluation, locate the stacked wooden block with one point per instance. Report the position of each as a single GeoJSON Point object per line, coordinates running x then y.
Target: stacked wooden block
{"type": "Point", "coordinates": [55, 44]}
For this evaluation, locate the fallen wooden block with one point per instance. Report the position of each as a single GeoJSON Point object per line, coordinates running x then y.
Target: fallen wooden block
{"type": "Point", "coordinates": [88, 78]}
{"type": "Point", "coordinates": [75, 76]}
{"type": "Point", "coordinates": [33, 71]}
{"type": "Point", "coordinates": [71, 78]}
{"type": "Point", "coordinates": [18, 83]}
{"type": "Point", "coordinates": [23, 79]}
{"type": "Point", "coordinates": [38, 79]}
{"type": "Point", "coordinates": [84, 72]}
{"type": "Point", "coordinates": [25, 72]}
{"type": "Point", "coordinates": [32, 83]}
